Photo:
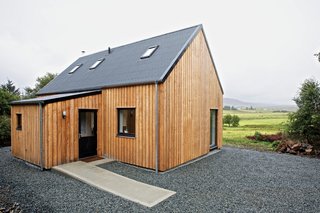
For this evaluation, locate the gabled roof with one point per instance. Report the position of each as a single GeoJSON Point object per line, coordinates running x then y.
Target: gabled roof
{"type": "Point", "coordinates": [123, 65]}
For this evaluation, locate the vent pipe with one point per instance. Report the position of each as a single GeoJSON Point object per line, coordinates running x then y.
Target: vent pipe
{"type": "Point", "coordinates": [109, 50]}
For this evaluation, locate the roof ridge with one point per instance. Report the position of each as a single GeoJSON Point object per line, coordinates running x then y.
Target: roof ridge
{"type": "Point", "coordinates": [101, 51]}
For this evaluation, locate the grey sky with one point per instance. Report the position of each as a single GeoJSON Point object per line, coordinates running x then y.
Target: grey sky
{"type": "Point", "coordinates": [263, 50]}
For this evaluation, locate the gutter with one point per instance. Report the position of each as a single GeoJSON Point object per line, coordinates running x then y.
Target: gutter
{"type": "Point", "coordinates": [157, 130]}
{"type": "Point", "coordinates": [41, 136]}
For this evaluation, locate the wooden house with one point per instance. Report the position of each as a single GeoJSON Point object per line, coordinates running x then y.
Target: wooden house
{"type": "Point", "coordinates": [155, 103]}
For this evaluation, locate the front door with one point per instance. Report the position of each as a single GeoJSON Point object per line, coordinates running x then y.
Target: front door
{"type": "Point", "coordinates": [213, 128]}
{"type": "Point", "coordinates": [87, 133]}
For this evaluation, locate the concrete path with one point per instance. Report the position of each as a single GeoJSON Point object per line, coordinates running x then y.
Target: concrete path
{"type": "Point", "coordinates": [124, 187]}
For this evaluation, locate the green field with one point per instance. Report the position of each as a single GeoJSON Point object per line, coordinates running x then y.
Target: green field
{"type": "Point", "coordinates": [265, 122]}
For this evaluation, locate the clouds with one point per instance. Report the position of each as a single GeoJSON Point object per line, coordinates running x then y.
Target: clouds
{"type": "Point", "coordinates": [263, 49]}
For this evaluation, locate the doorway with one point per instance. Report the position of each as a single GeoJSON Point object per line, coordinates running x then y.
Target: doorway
{"type": "Point", "coordinates": [87, 133]}
{"type": "Point", "coordinates": [213, 128]}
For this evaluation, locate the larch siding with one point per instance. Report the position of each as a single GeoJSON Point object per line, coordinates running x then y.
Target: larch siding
{"type": "Point", "coordinates": [186, 97]}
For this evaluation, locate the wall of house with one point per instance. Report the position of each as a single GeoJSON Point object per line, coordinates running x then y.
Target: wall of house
{"type": "Point", "coordinates": [25, 143]}
{"type": "Point", "coordinates": [185, 100]}
{"type": "Point", "coordinates": [61, 135]}
{"type": "Point", "coordinates": [139, 150]}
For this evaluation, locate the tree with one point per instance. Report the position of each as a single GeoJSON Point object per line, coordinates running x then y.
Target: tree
{"type": "Point", "coordinates": [235, 120]}
{"type": "Point", "coordinates": [41, 82]}
{"type": "Point", "coordinates": [10, 87]}
{"type": "Point", "coordinates": [5, 130]}
{"type": "Point", "coordinates": [304, 124]}
{"type": "Point", "coordinates": [227, 119]}
{"type": "Point", "coordinates": [8, 93]}
{"type": "Point", "coordinates": [231, 120]}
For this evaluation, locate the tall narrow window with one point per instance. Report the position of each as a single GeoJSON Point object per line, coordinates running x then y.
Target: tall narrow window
{"type": "Point", "coordinates": [148, 53]}
{"type": "Point", "coordinates": [19, 122]}
{"type": "Point", "coordinates": [127, 122]}
{"type": "Point", "coordinates": [96, 64]}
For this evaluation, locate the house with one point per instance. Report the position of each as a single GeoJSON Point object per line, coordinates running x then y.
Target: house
{"type": "Point", "coordinates": [155, 103]}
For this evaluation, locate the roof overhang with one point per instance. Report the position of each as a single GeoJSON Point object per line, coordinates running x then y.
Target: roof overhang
{"type": "Point", "coordinates": [54, 98]}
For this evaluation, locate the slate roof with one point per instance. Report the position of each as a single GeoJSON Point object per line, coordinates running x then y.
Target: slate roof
{"type": "Point", "coordinates": [54, 98]}
{"type": "Point", "coordinates": [123, 66]}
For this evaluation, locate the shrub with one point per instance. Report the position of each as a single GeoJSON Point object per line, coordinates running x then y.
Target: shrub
{"type": "Point", "coordinates": [268, 138]}
{"type": "Point", "coordinates": [257, 136]}
{"type": "Point", "coordinates": [235, 120]}
{"type": "Point", "coordinates": [5, 129]}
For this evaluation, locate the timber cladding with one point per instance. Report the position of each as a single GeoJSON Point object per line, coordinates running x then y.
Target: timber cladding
{"type": "Point", "coordinates": [25, 140]}
{"type": "Point", "coordinates": [61, 135]}
{"type": "Point", "coordinates": [186, 97]}
{"type": "Point", "coordinates": [138, 150]}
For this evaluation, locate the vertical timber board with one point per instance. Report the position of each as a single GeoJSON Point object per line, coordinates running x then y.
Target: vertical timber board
{"type": "Point", "coordinates": [186, 97]}
{"type": "Point", "coordinates": [61, 134]}
{"type": "Point", "coordinates": [25, 142]}
{"type": "Point", "coordinates": [140, 149]}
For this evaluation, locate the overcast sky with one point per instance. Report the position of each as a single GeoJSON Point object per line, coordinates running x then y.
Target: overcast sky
{"type": "Point", "coordinates": [263, 50]}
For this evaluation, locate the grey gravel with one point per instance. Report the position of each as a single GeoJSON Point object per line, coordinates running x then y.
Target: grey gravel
{"type": "Point", "coordinates": [233, 180]}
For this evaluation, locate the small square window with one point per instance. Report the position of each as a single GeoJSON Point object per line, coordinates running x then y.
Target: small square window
{"type": "Point", "coordinates": [96, 64]}
{"type": "Point", "coordinates": [19, 122]}
{"type": "Point", "coordinates": [148, 53]}
{"type": "Point", "coordinates": [127, 122]}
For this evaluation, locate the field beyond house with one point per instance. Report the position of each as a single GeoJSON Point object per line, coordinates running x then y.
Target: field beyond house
{"type": "Point", "coordinates": [251, 121]}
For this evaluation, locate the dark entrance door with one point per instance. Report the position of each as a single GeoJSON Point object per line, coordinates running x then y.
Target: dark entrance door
{"type": "Point", "coordinates": [87, 133]}
{"type": "Point", "coordinates": [213, 128]}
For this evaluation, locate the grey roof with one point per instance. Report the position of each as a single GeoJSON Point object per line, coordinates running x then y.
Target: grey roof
{"type": "Point", "coordinates": [53, 98]}
{"type": "Point", "coordinates": [123, 65]}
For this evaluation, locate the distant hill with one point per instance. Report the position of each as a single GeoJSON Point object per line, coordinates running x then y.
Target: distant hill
{"type": "Point", "coordinates": [268, 106]}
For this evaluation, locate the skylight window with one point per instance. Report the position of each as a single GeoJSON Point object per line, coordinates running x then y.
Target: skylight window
{"type": "Point", "coordinates": [75, 68]}
{"type": "Point", "coordinates": [96, 64]}
{"type": "Point", "coordinates": [148, 53]}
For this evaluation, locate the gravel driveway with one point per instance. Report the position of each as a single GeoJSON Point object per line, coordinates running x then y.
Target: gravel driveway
{"type": "Point", "coordinates": [233, 180]}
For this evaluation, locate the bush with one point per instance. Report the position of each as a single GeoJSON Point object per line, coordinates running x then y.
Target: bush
{"type": "Point", "coordinates": [5, 131]}
{"type": "Point", "coordinates": [268, 138]}
{"type": "Point", "coordinates": [235, 120]}
{"type": "Point", "coordinates": [257, 136]}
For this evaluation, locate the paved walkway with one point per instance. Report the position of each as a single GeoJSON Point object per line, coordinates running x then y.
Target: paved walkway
{"type": "Point", "coordinates": [124, 187]}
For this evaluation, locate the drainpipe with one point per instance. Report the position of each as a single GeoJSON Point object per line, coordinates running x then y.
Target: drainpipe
{"type": "Point", "coordinates": [41, 137]}
{"type": "Point", "coordinates": [156, 129]}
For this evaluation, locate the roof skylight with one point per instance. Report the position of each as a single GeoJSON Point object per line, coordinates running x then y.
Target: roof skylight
{"type": "Point", "coordinates": [96, 64]}
{"type": "Point", "coordinates": [75, 68]}
{"type": "Point", "coordinates": [148, 53]}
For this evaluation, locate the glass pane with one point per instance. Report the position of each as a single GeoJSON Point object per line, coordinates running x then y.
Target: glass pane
{"type": "Point", "coordinates": [213, 127]}
{"type": "Point", "coordinates": [96, 64]}
{"type": "Point", "coordinates": [74, 69]}
{"type": "Point", "coordinates": [149, 52]}
{"type": "Point", "coordinates": [87, 124]}
{"type": "Point", "coordinates": [19, 121]}
{"type": "Point", "coordinates": [127, 121]}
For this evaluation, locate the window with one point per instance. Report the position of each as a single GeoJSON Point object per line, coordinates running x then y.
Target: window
{"type": "Point", "coordinates": [148, 53]}
{"type": "Point", "coordinates": [127, 122]}
{"type": "Point", "coordinates": [75, 68]}
{"type": "Point", "coordinates": [19, 122]}
{"type": "Point", "coordinates": [96, 64]}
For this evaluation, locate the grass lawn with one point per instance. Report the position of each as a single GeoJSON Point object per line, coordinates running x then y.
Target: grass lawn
{"type": "Point", "coordinates": [265, 122]}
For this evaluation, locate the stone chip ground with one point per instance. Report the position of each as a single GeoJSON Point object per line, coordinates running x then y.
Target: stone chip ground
{"type": "Point", "coordinates": [233, 180]}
